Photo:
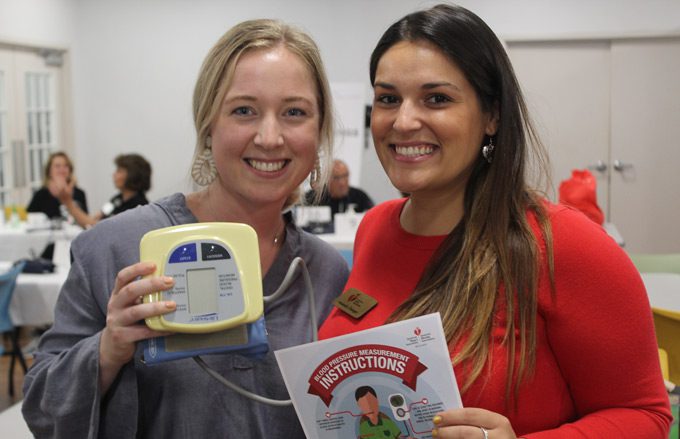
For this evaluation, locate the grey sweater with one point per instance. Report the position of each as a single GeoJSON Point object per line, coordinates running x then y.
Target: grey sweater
{"type": "Point", "coordinates": [175, 399]}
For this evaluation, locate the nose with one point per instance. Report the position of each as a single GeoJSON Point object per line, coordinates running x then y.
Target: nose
{"type": "Point", "coordinates": [269, 134]}
{"type": "Point", "coordinates": [407, 117]}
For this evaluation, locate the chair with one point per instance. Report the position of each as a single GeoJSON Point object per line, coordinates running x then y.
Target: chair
{"type": "Point", "coordinates": [7, 282]}
{"type": "Point", "coordinates": [667, 326]}
{"type": "Point", "coordinates": [349, 257]}
{"type": "Point", "coordinates": [663, 359]}
{"type": "Point", "coordinates": [656, 263]}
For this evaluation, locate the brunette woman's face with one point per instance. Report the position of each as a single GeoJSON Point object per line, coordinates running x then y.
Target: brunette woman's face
{"type": "Point", "coordinates": [119, 177]}
{"type": "Point", "coordinates": [427, 122]}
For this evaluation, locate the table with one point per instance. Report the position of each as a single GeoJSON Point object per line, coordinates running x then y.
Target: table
{"type": "Point", "coordinates": [664, 296]}
{"type": "Point", "coordinates": [24, 241]}
{"type": "Point", "coordinates": [663, 290]}
{"type": "Point", "coordinates": [35, 296]}
{"type": "Point", "coordinates": [343, 243]}
{"type": "Point", "coordinates": [339, 242]}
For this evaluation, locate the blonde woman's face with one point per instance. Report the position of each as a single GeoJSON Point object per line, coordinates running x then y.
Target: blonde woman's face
{"type": "Point", "coordinates": [427, 122]}
{"type": "Point", "coordinates": [59, 169]}
{"type": "Point", "coordinates": [265, 137]}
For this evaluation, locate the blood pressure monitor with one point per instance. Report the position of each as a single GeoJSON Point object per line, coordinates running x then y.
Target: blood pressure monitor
{"type": "Point", "coordinates": [216, 268]}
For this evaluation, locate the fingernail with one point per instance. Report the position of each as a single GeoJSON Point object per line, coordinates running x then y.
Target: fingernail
{"type": "Point", "coordinates": [434, 433]}
{"type": "Point", "coordinates": [167, 279]}
{"type": "Point", "coordinates": [436, 420]}
{"type": "Point", "coordinates": [170, 304]}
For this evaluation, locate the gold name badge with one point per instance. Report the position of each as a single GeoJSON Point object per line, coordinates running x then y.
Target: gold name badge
{"type": "Point", "coordinates": [355, 303]}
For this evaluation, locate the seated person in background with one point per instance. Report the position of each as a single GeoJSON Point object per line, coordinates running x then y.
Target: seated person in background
{"type": "Point", "coordinates": [58, 178]}
{"type": "Point", "coordinates": [132, 178]}
{"type": "Point", "coordinates": [339, 194]}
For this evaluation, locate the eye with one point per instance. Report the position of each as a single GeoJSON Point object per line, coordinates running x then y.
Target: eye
{"type": "Point", "coordinates": [438, 99]}
{"type": "Point", "coordinates": [386, 99]}
{"type": "Point", "coordinates": [296, 112]}
{"type": "Point", "coordinates": [243, 111]}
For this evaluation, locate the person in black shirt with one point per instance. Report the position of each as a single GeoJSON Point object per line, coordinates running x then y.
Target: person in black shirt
{"type": "Point", "coordinates": [58, 176]}
{"type": "Point", "coordinates": [132, 178]}
{"type": "Point", "coordinates": [339, 194]}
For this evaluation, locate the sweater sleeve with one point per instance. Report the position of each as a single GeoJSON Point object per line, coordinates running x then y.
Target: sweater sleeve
{"type": "Point", "coordinates": [61, 395]}
{"type": "Point", "coordinates": [62, 398]}
{"type": "Point", "coordinates": [600, 327]}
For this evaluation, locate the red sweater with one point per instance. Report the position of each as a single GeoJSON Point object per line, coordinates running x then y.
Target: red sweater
{"type": "Point", "coordinates": [597, 369]}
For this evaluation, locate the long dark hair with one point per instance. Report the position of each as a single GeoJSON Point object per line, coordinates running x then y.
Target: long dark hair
{"type": "Point", "coordinates": [493, 245]}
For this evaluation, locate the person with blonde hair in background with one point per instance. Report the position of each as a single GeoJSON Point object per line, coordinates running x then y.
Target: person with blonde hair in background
{"type": "Point", "coordinates": [58, 178]}
{"type": "Point", "coordinates": [262, 113]}
{"type": "Point", "coordinates": [548, 324]}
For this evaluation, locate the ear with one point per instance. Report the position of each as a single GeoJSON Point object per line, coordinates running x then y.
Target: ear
{"type": "Point", "coordinates": [492, 121]}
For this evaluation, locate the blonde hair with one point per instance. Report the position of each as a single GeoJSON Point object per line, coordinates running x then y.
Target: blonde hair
{"type": "Point", "coordinates": [217, 73]}
{"type": "Point", "coordinates": [50, 160]}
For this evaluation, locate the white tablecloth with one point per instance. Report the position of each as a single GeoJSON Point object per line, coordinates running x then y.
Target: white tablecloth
{"type": "Point", "coordinates": [24, 242]}
{"type": "Point", "coordinates": [663, 290]}
{"type": "Point", "coordinates": [35, 296]}
{"type": "Point", "coordinates": [340, 242]}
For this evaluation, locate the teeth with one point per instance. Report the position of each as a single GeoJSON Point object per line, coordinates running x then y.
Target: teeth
{"type": "Point", "coordinates": [266, 166]}
{"type": "Point", "coordinates": [413, 151]}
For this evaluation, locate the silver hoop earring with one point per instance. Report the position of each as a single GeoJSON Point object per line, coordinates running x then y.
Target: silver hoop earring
{"type": "Point", "coordinates": [487, 150]}
{"type": "Point", "coordinates": [204, 170]}
{"type": "Point", "coordinates": [315, 175]}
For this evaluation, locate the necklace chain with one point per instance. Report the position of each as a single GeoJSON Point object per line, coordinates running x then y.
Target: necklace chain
{"type": "Point", "coordinates": [278, 237]}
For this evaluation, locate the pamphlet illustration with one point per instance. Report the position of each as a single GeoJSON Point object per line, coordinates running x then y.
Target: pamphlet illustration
{"type": "Point", "coordinates": [385, 382]}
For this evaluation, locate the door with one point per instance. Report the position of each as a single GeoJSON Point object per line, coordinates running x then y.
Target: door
{"type": "Point", "coordinates": [31, 117]}
{"type": "Point", "coordinates": [7, 115]}
{"type": "Point", "coordinates": [645, 181]}
{"type": "Point", "coordinates": [601, 105]}
{"type": "Point", "coordinates": [566, 86]}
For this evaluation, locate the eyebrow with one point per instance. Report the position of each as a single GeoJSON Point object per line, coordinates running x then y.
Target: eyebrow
{"type": "Point", "coordinates": [297, 99]}
{"type": "Point", "coordinates": [241, 98]}
{"type": "Point", "coordinates": [426, 86]}
{"type": "Point", "coordinates": [254, 99]}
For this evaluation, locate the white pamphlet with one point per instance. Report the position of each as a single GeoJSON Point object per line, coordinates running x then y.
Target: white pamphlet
{"type": "Point", "coordinates": [387, 381]}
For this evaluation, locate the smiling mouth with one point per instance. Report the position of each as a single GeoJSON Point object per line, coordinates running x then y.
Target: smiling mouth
{"type": "Point", "coordinates": [412, 151]}
{"type": "Point", "coordinates": [268, 166]}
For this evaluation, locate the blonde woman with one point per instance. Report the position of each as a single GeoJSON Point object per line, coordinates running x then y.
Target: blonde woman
{"type": "Point", "coordinates": [58, 179]}
{"type": "Point", "coordinates": [262, 113]}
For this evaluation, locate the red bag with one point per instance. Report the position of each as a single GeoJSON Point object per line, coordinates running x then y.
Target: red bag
{"type": "Point", "coordinates": [580, 192]}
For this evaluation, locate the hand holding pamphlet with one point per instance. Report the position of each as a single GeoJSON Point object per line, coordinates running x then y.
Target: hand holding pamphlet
{"type": "Point", "coordinates": [383, 382]}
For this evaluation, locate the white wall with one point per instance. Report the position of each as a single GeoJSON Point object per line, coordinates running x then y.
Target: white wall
{"type": "Point", "coordinates": [38, 22]}
{"type": "Point", "coordinates": [134, 62]}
